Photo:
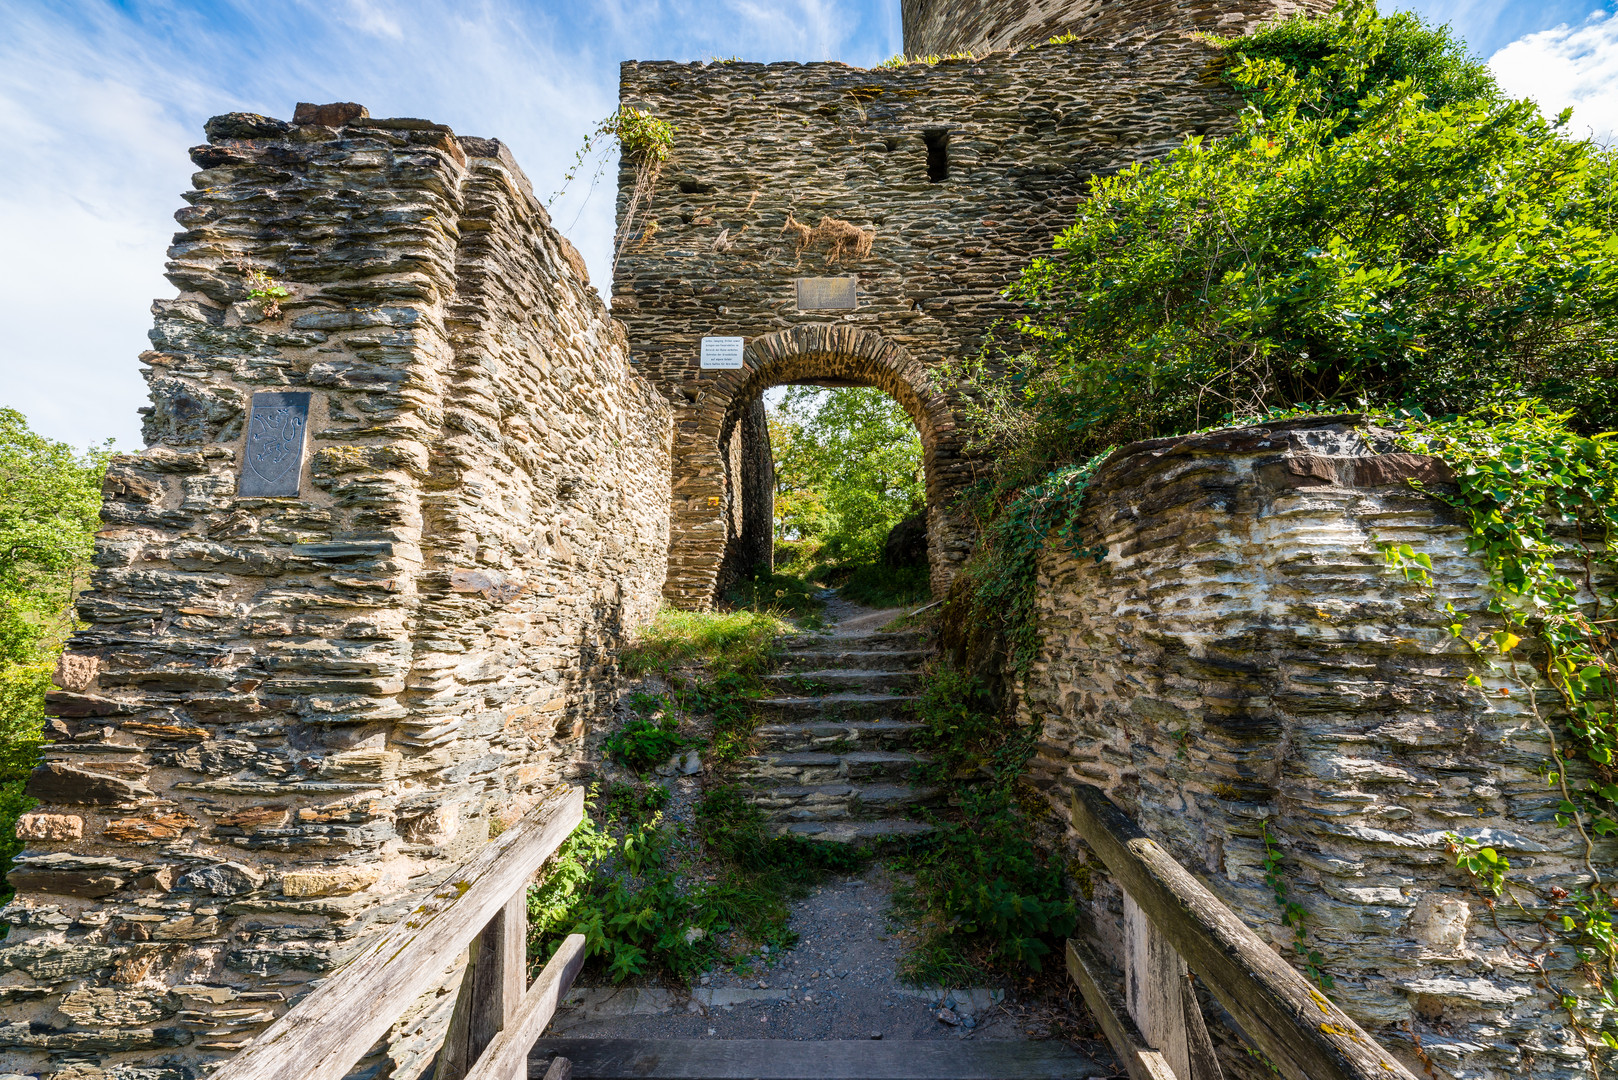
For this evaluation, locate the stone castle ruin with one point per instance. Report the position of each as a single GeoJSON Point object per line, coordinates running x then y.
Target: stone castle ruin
{"type": "Point", "coordinates": [356, 606]}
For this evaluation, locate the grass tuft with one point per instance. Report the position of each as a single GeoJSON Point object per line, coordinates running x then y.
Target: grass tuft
{"type": "Point", "coordinates": [727, 640]}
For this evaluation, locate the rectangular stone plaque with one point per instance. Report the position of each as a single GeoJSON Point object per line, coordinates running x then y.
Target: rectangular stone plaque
{"type": "Point", "coordinates": [827, 293]}
{"type": "Point", "coordinates": [272, 464]}
{"type": "Point", "coordinates": [722, 353]}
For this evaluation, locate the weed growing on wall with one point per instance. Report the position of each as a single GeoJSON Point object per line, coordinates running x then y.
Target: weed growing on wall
{"type": "Point", "coordinates": [1293, 914]}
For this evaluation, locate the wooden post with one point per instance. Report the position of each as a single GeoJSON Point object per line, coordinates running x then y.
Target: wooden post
{"type": "Point", "coordinates": [491, 988]}
{"type": "Point", "coordinates": [1157, 987]}
{"type": "Point", "coordinates": [1303, 1034]}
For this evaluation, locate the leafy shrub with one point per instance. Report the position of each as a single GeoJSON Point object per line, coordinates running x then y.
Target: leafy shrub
{"type": "Point", "coordinates": [621, 894]}
{"type": "Point", "coordinates": [881, 586]}
{"type": "Point", "coordinates": [50, 501]}
{"type": "Point", "coordinates": [989, 898]}
{"type": "Point", "coordinates": [959, 728]}
{"type": "Point", "coordinates": [645, 742]}
{"type": "Point", "coordinates": [1383, 226]}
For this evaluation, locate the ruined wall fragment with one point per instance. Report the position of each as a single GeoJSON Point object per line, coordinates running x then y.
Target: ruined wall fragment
{"type": "Point", "coordinates": [1244, 654]}
{"type": "Point", "coordinates": [288, 717]}
{"type": "Point", "coordinates": [943, 27]}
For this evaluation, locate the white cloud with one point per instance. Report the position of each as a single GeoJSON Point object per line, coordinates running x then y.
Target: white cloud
{"type": "Point", "coordinates": [1567, 65]}
{"type": "Point", "coordinates": [100, 99]}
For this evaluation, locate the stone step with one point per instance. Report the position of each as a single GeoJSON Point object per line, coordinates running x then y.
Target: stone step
{"type": "Point", "coordinates": [848, 708]}
{"type": "Point", "coordinates": [857, 657]}
{"type": "Point", "coordinates": [819, 767]}
{"type": "Point", "coordinates": [845, 681]}
{"type": "Point", "coordinates": [840, 801]}
{"type": "Point", "coordinates": [880, 642]}
{"type": "Point", "coordinates": [857, 832]}
{"type": "Point", "coordinates": [831, 736]}
{"type": "Point", "coordinates": [789, 1059]}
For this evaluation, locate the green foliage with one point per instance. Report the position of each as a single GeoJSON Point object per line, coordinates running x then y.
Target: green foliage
{"type": "Point", "coordinates": [642, 136]}
{"type": "Point", "coordinates": [1383, 225]}
{"type": "Point", "coordinates": [990, 899]}
{"type": "Point", "coordinates": [726, 699]}
{"type": "Point", "coordinates": [960, 730]}
{"type": "Point", "coordinates": [644, 742]}
{"type": "Point", "coordinates": [1014, 528]}
{"type": "Point", "coordinates": [762, 871]}
{"type": "Point", "coordinates": [50, 503]}
{"type": "Point", "coordinates": [263, 291]}
{"type": "Point", "coordinates": [780, 593]}
{"type": "Point", "coordinates": [928, 58]}
{"type": "Point", "coordinates": [1485, 865]}
{"type": "Point", "coordinates": [1351, 53]}
{"type": "Point", "coordinates": [881, 586]}
{"type": "Point", "coordinates": [616, 887]}
{"type": "Point", "coordinates": [729, 640]}
{"type": "Point", "coordinates": [848, 467]}
{"type": "Point", "coordinates": [1293, 914]}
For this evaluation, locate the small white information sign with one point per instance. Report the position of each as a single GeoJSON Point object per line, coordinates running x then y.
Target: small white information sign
{"type": "Point", "coordinates": [722, 353]}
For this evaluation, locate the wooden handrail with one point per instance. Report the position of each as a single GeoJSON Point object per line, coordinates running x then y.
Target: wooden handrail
{"type": "Point", "coordinates": [1292, 1023]}
{"type": "Point", "coordinates": [326, 1033]}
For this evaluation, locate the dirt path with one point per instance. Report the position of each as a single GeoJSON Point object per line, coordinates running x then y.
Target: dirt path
{"type": "Point", "coordinates": [840, 981]}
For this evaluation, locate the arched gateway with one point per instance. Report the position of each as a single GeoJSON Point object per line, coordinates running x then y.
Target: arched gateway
{"type": "Point", "coordinates": [721, 524]}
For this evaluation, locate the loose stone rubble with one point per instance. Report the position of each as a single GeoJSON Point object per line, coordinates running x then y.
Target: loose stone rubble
{"type": "Point", "coordinates": [1244, 654]}
{"type": "Point", "coordinates": [289, 717]}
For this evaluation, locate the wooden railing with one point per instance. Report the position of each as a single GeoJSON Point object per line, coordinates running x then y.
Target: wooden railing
{"type": "Point", "coordinates": [482, 908]}
{"type": "Point", "coordinates": [1171, 923]}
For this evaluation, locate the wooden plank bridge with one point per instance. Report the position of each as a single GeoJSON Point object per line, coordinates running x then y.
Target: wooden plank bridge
{"type": "Point", "coordinates": [1175, 928]}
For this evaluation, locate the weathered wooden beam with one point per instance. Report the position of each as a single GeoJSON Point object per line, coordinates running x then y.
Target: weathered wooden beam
{"type": "Point", "coordinates": [1292, 1023]}
{"type": "Point", "coordinates": [1140, 1062]}
{"type": "Point", "coordinates": [1157, 992]}
{"type": "Point", "coordinates": [491, 990]}
{"type": "Point", "coordinates": [506, 1058]}
{"type": "Point", "coordinates": [330, 1029]}
{"type": "Point", "coordinates": [561, 1069]}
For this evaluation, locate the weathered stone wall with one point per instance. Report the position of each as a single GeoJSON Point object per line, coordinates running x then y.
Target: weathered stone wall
{"type": "Point", "coordinates": [287, 718]}
{"type": "Point", "coordinates": [756, 143]}
{"type": "Point", "coordinates": [1243, 654]}
{"type": "Point", "coordinates": [942, 27]}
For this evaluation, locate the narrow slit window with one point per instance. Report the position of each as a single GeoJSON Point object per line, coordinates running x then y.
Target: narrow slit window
{"type": "Point", "coordinates": [937, 140]}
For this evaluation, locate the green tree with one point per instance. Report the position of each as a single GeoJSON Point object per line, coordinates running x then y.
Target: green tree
{"type": "Point", "coordinates": [1383, 226]}
{"type": "Point", "coordinates": [50, 501]}
{"type": "Point", "coordinates": [848, 467]}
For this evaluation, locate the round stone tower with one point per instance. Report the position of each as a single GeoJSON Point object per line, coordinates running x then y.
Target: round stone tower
{"type": "Point", "coordinates": [941, 27]}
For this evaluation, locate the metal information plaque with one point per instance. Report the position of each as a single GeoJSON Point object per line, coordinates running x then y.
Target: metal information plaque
{"type": "Point", "coordinates": [827, 293]}
{"type": "Point", "coordinates": [722, 353]}
{"type": "Point", "coordinates": [272, 465]}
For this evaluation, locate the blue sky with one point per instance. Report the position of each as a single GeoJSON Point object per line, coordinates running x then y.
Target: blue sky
{"type": "Point", "coordinates": [99, 100]}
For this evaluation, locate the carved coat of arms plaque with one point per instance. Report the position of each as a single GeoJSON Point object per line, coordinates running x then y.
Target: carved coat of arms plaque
{"type": "Point", "coordinates": [272, 464]}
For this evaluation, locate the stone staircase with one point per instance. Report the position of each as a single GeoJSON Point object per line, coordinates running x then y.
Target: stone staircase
{"type": "Point", "coordinates": [835, 757]}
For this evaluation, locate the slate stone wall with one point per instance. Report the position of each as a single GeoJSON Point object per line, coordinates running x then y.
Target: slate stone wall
{"type": "Point", "coordinates": [756, 143]}
{"type": "Point", "coordinates": [1243, 654]}
{"type": "Point", "coordinates": [287, 718]}
{"type": "Point", "coordinates": [942, 27]}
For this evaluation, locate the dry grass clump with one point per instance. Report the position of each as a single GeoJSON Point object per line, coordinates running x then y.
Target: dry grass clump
{"type": "Point", "coordinates": [839, 237]}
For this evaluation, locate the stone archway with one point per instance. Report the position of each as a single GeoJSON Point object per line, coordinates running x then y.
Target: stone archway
{"type": "Point", "coordinates": [708, 518]}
